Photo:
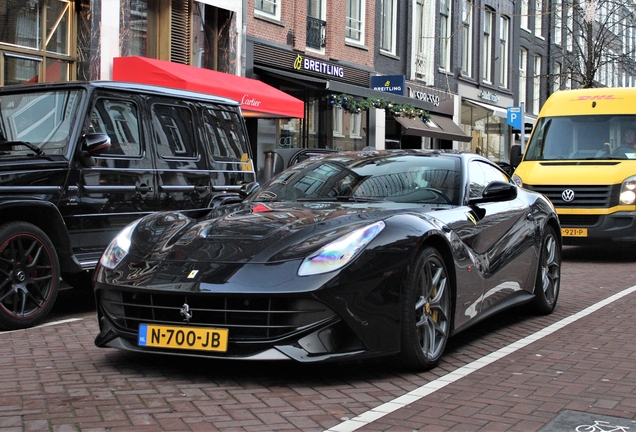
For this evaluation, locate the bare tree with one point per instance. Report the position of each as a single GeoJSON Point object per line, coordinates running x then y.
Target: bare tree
{"type": "Point", "coordinates": [596, 45]}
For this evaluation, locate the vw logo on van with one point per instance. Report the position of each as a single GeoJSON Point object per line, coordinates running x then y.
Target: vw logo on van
{"type": "Point", "coordinates": [567, 195]}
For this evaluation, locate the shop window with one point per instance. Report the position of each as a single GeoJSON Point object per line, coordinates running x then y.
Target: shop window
{"type": "Point", "coordinates": [337, 121]}
{"type": "Point", "coordinates": [355, 126]}
{"type": "Point", "coordinates": [35, 41]}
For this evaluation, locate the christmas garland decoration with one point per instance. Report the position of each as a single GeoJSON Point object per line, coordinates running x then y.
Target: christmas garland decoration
{"type": "Point", "coordinates": [354, 106]}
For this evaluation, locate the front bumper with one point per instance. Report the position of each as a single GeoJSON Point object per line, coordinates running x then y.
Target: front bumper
{"type": "Point", "coordinates": [619, 227]}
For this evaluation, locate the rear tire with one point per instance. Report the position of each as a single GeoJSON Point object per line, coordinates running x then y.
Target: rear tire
{"type": "Point", "coordinates": [426, 317]}
{"type": "Point", "coordinates": [548, 282]}
{"type": "Point", "coordinates": [29, 275]}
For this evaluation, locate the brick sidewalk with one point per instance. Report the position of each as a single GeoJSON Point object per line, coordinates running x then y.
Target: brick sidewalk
{"type": "Point", "coordinates": [54, 378]}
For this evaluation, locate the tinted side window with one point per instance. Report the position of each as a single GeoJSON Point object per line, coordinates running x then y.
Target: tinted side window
{"type": "Point", "coordinates": [174, 133]}
{"type": "Point", "coordinates": [226, 136]}
{"type": "Point", "coordinates": [118, 119]}
{"type": "Point", "coordinates": [480, 175]}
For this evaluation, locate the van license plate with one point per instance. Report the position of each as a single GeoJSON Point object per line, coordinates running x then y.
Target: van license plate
{"type": "Point", "coordinates": [574, 232]}
{"type": "Point", "coordinates": [181, 337]}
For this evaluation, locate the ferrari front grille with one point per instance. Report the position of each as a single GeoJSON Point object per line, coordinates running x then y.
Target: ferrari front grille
{"type": "Point", "coordinates": [248, 318]}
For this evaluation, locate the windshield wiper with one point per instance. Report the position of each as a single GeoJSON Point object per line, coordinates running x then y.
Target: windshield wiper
{"type": "Point", "coordinates": [33, 147]}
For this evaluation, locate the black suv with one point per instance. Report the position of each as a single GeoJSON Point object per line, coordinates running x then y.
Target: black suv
{"type": "Point", "coordinates": [81, 160]}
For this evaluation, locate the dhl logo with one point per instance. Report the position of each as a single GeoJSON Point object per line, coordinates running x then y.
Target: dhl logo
{"type": "Point", "coordinates": [596, 97]}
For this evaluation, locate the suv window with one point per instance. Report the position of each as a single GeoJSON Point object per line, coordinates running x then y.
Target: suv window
{"type": "Point", "coordinates": [119, 120]}
{"type": "Point", "coordinates": [226, 138]}
{"type": "Point", "coordinates": [173, 131]}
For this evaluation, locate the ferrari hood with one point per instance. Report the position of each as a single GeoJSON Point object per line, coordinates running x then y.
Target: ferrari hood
{"type": "Point", "coordinates": [252, 232]}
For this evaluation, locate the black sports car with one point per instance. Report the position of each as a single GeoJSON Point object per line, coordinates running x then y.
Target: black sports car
{"type": "Point", "coordinates": [346, 255]}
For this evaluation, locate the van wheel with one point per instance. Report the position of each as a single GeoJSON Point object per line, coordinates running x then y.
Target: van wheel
{"type": "Point", "coordinates": [29, 275]}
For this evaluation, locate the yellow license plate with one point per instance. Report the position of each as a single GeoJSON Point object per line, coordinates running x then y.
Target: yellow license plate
{"type": "Point", "coordinates": [182, 337]}
{"type": "Point", "coordinates": [574, 232]}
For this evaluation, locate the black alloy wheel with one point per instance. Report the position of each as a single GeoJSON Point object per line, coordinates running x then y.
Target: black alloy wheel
{"type": "Point", "coordinates": [426, 318]}
{"type": "Point", "coordinates": [548, 282]}
{"type": "Point", "coordinates": [29, 275]}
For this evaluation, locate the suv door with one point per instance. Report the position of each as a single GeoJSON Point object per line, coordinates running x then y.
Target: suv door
{"type": "Point", "coordinates": [120, 187]}
{"type": "Point", "coordinates": [183, 174]}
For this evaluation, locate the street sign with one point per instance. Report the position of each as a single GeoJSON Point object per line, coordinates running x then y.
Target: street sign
{"type": "Point", "coordinates": [515, 117]}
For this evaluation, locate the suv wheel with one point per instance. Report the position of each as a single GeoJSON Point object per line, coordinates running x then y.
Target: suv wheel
{"type": "Point", "coordinates": [29, 275]}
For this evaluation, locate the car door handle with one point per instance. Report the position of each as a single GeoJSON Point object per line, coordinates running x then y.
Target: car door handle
{"type": "Point", "coordinates": [143, 188]}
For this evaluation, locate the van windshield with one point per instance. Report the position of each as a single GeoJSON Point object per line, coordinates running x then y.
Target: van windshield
{"type": "Point", "coordinates": [583, 138]}
{"type": "Point", "coordinates": [37, 122]}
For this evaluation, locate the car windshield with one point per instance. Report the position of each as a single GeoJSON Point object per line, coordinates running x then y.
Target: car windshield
{"type": "Point", "coordinates": [37, 122]}
{"type": "Point", "coordinates": [585, 137]}
{"type": "Point", "coordinates": [428, 179]}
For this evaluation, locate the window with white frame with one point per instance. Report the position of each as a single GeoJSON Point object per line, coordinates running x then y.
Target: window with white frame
{"type": "Point", "coordinates": [536, 85]}
{"type": "Point", "coordinates": [523, 68]}
{"type": "Point", "coordinates": [354, 29]}
{"type": "Point", "coordinates": [267, 8]}
{"type": "Point", "coordinates": [524, 14]}
{"type": "Point", "coordinates": [424, 49]}
{"type": "Point", "coordinates": [355, 125]}
{"type": "Point", "coordinates": [504, 32]}
{"type": "Point", "coordinates": [445, 34]}
{"type": "Point", "coordinates": [337, 121]}
{"type": "Point", "coordinates": [487, 40]}
{"type": "Point", "coordinates": [538, 17]}
{"type": "Point", "coordinates": [467, 36]}
{"type": "Point", "coordinates": [556, 82]}
{"type": "Point", "coordinates": [388, 21]}
{"type": "Point", "coordinates": [568, 79]}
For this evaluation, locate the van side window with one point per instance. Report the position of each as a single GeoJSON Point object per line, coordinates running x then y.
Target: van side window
{"type": "Point", "coordinates": [227, 138]}
{"type": "Point", "coordinates": [174, 131]}
{"type": "Point", "coordinates": [120, 121]}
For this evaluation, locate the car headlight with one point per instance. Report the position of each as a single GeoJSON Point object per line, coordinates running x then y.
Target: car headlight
{"type": "Point", "coordinates": [340, 252]}
{"type": "Point", "coordinates": [628, 191]}
{"type": "Point", "coordinates": [119, 247]}
{"type": "Point", "coordinates": [517, 180]}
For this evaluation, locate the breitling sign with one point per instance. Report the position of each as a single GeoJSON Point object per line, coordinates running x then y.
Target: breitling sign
{"type": "Point", "coordinates": [321, 67]}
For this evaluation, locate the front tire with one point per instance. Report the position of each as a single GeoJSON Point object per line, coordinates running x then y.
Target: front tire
{"type": "Point", "coordinates": [548, 281]}
{"type": "Point", "coordinates": [29, 275]}
{"type": "Point", "coordinates": [426, 316]}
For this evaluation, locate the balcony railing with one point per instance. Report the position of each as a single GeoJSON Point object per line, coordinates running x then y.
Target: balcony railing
{"type": "Point", "coordinates": [316, 33]}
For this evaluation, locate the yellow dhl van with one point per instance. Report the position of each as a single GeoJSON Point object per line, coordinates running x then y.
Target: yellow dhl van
{"type": "Point", "coordinates": [580, 157]}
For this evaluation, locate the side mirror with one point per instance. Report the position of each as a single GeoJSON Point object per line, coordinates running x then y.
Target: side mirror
{"type": "Point", "coordinates": [515, 155]}
{"type": "Point", "coordinates": [96, 143]}
{"type": "Point", "coordinates": [248, 189]}
{"type": "Point", "coordinates": [495, 192]}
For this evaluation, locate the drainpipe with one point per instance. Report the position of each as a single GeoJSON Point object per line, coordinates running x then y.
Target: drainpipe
{"type": "Point", "coordinates": [243, 39]}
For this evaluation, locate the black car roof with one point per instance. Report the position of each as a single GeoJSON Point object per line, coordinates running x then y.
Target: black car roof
{"type": "Point", "coordinates": [124, 87]}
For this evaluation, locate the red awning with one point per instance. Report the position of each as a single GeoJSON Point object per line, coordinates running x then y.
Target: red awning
{"type": "Point", "coordinates": [257, 98]}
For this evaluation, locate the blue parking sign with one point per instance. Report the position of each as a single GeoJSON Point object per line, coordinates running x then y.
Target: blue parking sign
{"type": "Point", "coordinates": [515, 117]}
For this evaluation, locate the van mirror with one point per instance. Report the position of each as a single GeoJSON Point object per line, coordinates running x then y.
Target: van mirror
{"type": "Point", "coordinates": [515, 155]}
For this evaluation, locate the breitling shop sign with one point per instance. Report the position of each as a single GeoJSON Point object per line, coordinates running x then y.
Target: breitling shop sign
{"type": "Point", "coordinates": [389, 83]}
{"type": "Point", "coordinates": [312, 65]}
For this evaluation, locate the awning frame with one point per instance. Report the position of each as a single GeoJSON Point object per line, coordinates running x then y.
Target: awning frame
{"type": "Point", "coordinates": [437, 127]}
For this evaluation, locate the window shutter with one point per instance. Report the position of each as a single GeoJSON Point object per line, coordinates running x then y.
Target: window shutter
{"type": "Point", "coordinates": [180, 32]}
